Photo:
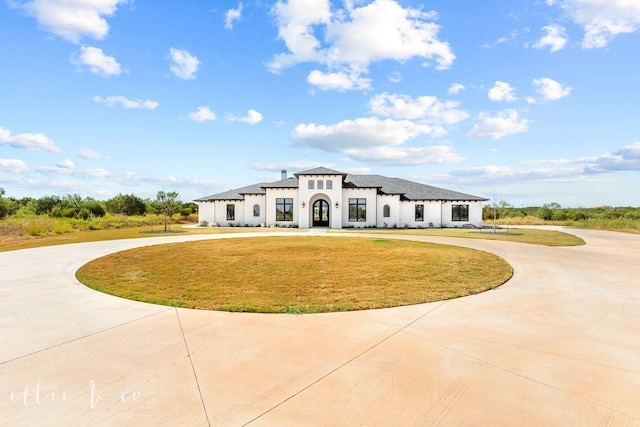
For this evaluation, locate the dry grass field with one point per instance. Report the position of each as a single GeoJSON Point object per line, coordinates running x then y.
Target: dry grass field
{"type": "Point", "coordinates": [304, 274]}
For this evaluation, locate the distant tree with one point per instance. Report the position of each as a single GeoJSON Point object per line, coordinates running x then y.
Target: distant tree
{"type": "Point", "coordinates": [545, 213]}
{"type": "Point", "coordinates": [45, 205]}
{"type": "Point", "coordinates": [168, 204]}
{"type": "Point", "coordinates": [4, 206]}
{"type": "Point", "coordinates": [96, 208]}
{"type": "Point", "coordinates": [188, 208]}
{"type": "Point", "coordinates": [126, 205]}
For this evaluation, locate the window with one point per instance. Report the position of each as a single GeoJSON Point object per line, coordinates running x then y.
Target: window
{"type": "Point", "coordinates": [231, 212]}
{"type": "Point", "coordinates": [419, 212]}
{"type": "Point", "coordinates": [311, 184]}
{"type": "Point", "coordinates": [460, 212]}
{"type": "Point", "coordinates": [357, 210]}
{"type": "Point", "coordinates": [386, 211]}
{"type": "Point", "coordinates": [284, 209]}
{"type": "Point", "coordinates": [320, 186]}
{"type": "Point", "coordinates": [256, 210]}
{"type": "Point", "coordinates": [329, 184]}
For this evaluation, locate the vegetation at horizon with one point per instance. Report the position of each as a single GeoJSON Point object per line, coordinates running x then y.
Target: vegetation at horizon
{"type": "Point", "coordinates": [48, 220]}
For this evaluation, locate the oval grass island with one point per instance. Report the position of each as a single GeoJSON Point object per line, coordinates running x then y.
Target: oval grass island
{"type": "Point", "coordinates": [301, 274]}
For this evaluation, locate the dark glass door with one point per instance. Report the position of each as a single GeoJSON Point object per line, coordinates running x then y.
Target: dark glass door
{"type": "Point", "coordinates": [320, 213]}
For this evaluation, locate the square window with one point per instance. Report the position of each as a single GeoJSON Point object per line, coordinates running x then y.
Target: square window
{"type": "Point", "coordinates": [459, 212]}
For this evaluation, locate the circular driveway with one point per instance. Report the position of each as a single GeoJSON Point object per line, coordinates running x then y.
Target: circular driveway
{"type": "Point", "coordinates": [559, 344]}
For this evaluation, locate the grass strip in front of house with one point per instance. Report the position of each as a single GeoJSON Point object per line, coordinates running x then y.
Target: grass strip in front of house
{"type": "Point", "coordinates": [78, 236]}
{"type": "Point", "coordinates": [305, 274]}
{"type": "Point", "coordinates": [520, 235]}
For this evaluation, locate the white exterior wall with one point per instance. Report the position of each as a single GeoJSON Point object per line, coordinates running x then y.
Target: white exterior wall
{"type": "Point", "coordinates": [206, 212]}
{"type": "Point", "coordinates": [432, 214]}
{"type": "Point", "coordinates": [221, 213]}
{"type": "Point", "coordinates": [249, 201]}
{"type": "Point", "coordinates": [475, 214]}
{"type": "Point", "coordinates": [270, 206]}
{"type": "Point", "coordinates": [370, 194]}
{"type": "Point", "coordinates": [394, 211]}
{"type": "Point", "coordinates": [309, 196]}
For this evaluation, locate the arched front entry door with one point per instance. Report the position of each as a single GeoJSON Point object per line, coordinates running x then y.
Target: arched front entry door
{"type": "Point", "coordinates": [320, 213]}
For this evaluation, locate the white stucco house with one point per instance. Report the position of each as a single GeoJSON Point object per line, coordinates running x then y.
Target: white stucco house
{"type": "Point", "coordinates": [322, 197]}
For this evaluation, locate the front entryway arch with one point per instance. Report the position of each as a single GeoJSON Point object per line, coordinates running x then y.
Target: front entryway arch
{"type": "Point", "coordinates": [320, 213]}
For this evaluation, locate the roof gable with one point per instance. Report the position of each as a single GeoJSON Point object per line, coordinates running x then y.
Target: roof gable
{"type": "Point", "coordinates": [320, 171]}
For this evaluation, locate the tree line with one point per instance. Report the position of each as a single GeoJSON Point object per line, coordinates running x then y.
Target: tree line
{"type": "Point", "coordinates": [77, 207]}
{"type": "Point", "coordinates": [554, 212]}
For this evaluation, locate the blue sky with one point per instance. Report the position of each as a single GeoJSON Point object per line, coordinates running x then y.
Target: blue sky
{"type": "Point", "coordinates": [529, 102]}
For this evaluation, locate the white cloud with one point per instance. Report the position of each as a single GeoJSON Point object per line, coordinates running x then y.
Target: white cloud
{"type": "Point", "coordinates": [625, 158]}
{"type": "Point", "coordinates": [407, 156]}
{"type": "Point", "coordinates": [602, 20]}
{"type": "Point", "coordinates": [512, 174]}
{"type": "Point", "coordinates": [395, 77]}
{"type": "Point", "coordinates": [72, 19]}
{"type": "Point", "coordinates": [340, 81]}
{"type": "Point", "coordinates": [98, 62]}
{"type": "Point", "coordinates": [455, 88]}
{"type": "Point", "coordinates": [66, 164]}
{"type": "Point", "coordinates": [362, 133]}
{"type": "Point", "coordinates": [185, 65]}
{"type": "Point", "coordinates": [502, 92]}
{"type": "Point", "coordinates": [512, 35]}
{"type": "Point", "coordinates": [555, 38]}
{"type": "Point", "coordinates": [505, 123]}
{"type": "Point", "coordinates": [253, 117]}
{"type": "Point", "coordinates": [110, 101]}
{"type": "Point", "coordinates": [203, 114]}
{"type": "Point", "coordinates": [373, 140]}
{"type": "Point", "coordinates": [550, 89]}
{"type": "Point", "coordinates": [428, 109]}
{"type": "Point", "coordinates": [290, 166]}
{"type": "Point", "coordinates": [89, 154]}
{"type": "Point", "coordinates": [28, 141]}
{"type": "Point", "coordinates": [14, 166]}
{"type": "Point", "coordinates": [231, 16]}
{"type": "Point", "coordinates": [354, 36]}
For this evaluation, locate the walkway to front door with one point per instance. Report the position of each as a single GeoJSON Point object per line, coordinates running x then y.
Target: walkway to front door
{"type": "Point", "coordinates": [320, 213]}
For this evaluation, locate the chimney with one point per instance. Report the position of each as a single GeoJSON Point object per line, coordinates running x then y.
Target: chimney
{"type": "Point", "coordinates": [283, 174]}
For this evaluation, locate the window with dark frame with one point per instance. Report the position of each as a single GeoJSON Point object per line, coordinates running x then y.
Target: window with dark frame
{"type": "Point", "coordinates": [256, 210]}
{"type": "Point", "coordinates": [357, 210]}
{"type": "Point", "coordinates": [284, 209]}
{"type": "Point", "coordinates": [386, 211]}
{"type": "Point", "coordinates": [231, 212]}
{"type": "Point", "coordinates": [459, 212]}
{"type": "Point", "coordinates": [420, 212]}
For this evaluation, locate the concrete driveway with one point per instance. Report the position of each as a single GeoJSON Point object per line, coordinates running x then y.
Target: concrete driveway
{"type": "Point", "coordinates": [559, 344]}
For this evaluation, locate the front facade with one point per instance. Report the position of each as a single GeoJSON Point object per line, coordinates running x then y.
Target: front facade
{"type": "Point", "coordinates": [323, 197]}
